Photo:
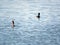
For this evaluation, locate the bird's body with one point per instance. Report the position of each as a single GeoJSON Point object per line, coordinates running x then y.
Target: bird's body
{"type": "Point", "coordinates": [13, 23]}
{"type": "Point", "coordinates": [38, 15]}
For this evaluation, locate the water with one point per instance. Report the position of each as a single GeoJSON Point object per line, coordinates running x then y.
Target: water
{"type": "Point", "coordinates": [28, 29]}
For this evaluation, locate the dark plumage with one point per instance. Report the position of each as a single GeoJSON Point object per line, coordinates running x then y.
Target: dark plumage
{"type": "Point", "coordinates": [38, 15]}
{"type": "Point", "coordinates": [13, 23]}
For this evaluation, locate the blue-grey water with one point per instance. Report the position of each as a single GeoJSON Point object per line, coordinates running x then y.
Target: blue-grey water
{"type": "Point", "coordinates": [28, 29]}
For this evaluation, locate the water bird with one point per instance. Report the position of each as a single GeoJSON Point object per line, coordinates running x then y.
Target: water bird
{"type": "Point", "coordinates": [38, 15]}
{"type": "Point", "coordinates": [13, 23]}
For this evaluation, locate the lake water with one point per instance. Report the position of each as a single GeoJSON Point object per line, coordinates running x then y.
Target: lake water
{"type": "Point", "coordinates": [28, 29]}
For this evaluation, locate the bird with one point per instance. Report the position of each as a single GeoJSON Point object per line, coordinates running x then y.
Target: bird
{"type": "Point", "coordinates": [13, 23]}
{"type": "Point", "coordinates": [38, 15]}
